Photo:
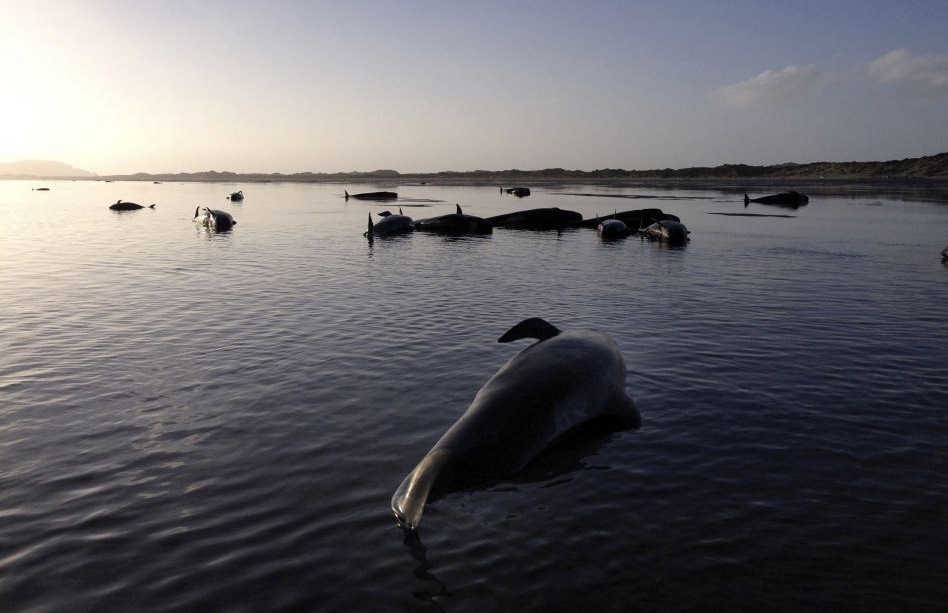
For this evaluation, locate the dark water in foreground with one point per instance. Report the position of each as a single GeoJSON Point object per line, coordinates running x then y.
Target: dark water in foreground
{"type": "Point", "coordinates": [192, 421]}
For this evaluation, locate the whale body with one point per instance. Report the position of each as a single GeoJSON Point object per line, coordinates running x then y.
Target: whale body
{"type": "Point", "coordinates": [537, 219]}
{"type": "Point", "coordinates": [790, 199]}
{"type": "Point", "coordinates": [236, 196]}
{"type": "Point", "coordinates": [128, 206]}
{"type": "Point", "coordinates": [455, 223]}
{"type": "Point", "coordinates": [668, 230]}
{"type": "Point", "coordinates": [372, 195]}
{"type": "Point", "coordinates": [612, 228]}
{"type": "Point", "coordinates": [544, 392]}
{"type": "Point", "coordinates": [389, 225]}
{"type": "Point", "coordinates": [214, 219]}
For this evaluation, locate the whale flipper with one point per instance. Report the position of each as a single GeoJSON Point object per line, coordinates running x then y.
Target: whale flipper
{"type": "Point", "coordinates": [534, 327]}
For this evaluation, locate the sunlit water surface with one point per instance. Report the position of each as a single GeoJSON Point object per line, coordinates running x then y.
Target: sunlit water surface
{"type": "Point", "coordinates": [198, 421]}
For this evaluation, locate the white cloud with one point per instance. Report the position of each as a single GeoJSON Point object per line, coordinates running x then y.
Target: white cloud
{"type": "Point", "coordinates": [767, 87]}
{"type": "Point", "coordinates": [927, 72]}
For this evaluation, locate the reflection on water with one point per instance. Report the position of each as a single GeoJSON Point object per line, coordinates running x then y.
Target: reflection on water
{"type": "Point", "coordinates": [219, 424]}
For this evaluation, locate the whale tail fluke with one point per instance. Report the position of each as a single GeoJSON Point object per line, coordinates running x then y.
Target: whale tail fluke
{"type": "Point", "coordinates": [408, 503]}
{"type": "Point", "coordinates": [533, 327]}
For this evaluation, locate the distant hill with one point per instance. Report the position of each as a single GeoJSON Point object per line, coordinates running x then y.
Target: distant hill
{"type": "Point", "coordinates": [929, 167]}
{"type": "Point", "coordinates": [40, 169]}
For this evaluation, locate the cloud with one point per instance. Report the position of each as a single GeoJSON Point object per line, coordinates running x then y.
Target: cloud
{"type": "Point", "coordinates": [767, 87]}
{"type": "Point", "coordinates": [928, 73]}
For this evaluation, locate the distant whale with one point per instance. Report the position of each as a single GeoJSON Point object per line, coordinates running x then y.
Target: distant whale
{"type": "Point", "coordinates": [40, 189]}
{"type": "Point", "coordinates": [236, 196]}
{"type": "Point", "coordinates": [519, 192]}
{"type": "Point", "coordinates": [791, 198]}
{"type": "Point", "coordinates": [455, 223]}
{"type": "Point", "coordinates": [537, 219]}
{"type": "Point", "coordinates": [372, 196]}
{"type": "Point", "coordinates": [541, 394]}
{"type": "Point", "coordinates": [944, 253]}
{"type": "Point", "coordinates": [214, 219]}
{"type": "Point", "coordinates": [128, 206]}
{"type": "Point", "coordinates": [389, 225]}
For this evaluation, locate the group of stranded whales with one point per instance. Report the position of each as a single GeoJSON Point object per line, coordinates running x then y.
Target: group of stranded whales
{"type": "Point", "coordinates": [651, 223]}
{"type": "Point", "coordinates": [543, 393]}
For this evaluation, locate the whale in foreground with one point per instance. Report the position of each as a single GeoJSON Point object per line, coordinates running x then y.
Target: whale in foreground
{"type": "Point", "coordinates": [214, 219]}
{"type": "Point", "coordinates": [544, 392]}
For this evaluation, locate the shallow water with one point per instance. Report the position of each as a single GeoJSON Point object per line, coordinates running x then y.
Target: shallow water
{"type": "Point", "coordinates": [199, 421]}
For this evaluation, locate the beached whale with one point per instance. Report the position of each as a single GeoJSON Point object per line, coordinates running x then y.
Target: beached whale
{"type": "Point", "coordinates": [544, 392]}
{"type": "Point", "coordinates": [633, 219]}
{"type": "Point", "coordinates": [214, 219]}
{"type": "Point", "coordinates": [612, 228]}
{"type": "Point", "coordinates": [389, 225]}
{"type": "Point", "coordinates": [128, 206]}
{"type": "Point", "coordinates": [372, 196]}
{"type": "Point", "coordinates": [537, 219]}
{"type": "Point", "coordinates": [667, 230]}
{"type": "Point", "coordinates": [790, 198]}
{"type": "Point", "coordinates": [455, 223]}
{"type": "Point", "coordinates": [519, 192]}
{"type": "Point", "coordinates": [236, 196]}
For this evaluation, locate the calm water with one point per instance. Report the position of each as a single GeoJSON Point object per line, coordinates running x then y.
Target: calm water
{"type": "Point", "coordinates": [191, 421]}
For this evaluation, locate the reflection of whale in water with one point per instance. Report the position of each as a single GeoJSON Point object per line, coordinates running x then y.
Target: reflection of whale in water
{"type": "Point", "coordinates": [214, 219]}
{"type": "Point", "coordinates": [128, 206]}
{"type": "Point", "coordinates": [389, 225]}
{"type": "Point", "coordinates": [537, 219]}
{"type": "Point", "coordinates": [372, 196]}
{"type": "Point", "coordinates": [538, 397]}
{"type": "Point", "coordinates": [789, 199]}
{"type": "Point", "coordinates": [455, 223]}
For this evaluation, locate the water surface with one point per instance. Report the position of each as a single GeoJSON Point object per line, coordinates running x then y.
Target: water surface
{"type": "Point", "coordinates": [199, 421]}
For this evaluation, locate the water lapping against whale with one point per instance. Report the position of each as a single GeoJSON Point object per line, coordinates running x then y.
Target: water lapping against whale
{"type": "Point", "coordinates": [194, 420]}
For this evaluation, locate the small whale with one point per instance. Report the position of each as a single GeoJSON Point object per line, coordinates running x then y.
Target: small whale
{"type": "Point", "coordinates": [543, 393]}
{"type": "Point", "coordinates": [40, 189]}
{"type": "Point", "coordinates": [372, 196]}
{"type": "Point", "coordinates": [128, 206]}
{"type": "Point", "coordinates": [236, 196]}
{"type": "Point", "coordinates": [455, 223]}
{"type": "Point", "coordinates": [389, 225]}
{"type": "Point", "coordinates": [214, 219]}
{"type": "Point", "coordinates": [519, 192]}
{"type": "Point", "coordinates": [537, 219]}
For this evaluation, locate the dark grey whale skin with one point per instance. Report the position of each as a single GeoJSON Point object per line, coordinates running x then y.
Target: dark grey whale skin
{"type": "Point", "coordinates": [544, 392]}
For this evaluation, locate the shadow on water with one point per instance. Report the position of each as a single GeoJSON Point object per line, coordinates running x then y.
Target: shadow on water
{"type": "Point", "coordinates": [419, 553]}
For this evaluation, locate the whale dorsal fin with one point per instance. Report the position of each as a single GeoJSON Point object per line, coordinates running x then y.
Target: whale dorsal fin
{"type": "Point", "coordinates": [534, 327]}
{"type": "Point", "coordinates": [460, 212]}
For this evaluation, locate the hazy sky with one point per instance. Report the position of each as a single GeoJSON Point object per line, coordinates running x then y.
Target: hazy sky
{"type": "Point", "coordinates": [290, 86]}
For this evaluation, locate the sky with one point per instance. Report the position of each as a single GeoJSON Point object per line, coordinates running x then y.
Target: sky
{"type": "Point", "coordinates": [125, 86]}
